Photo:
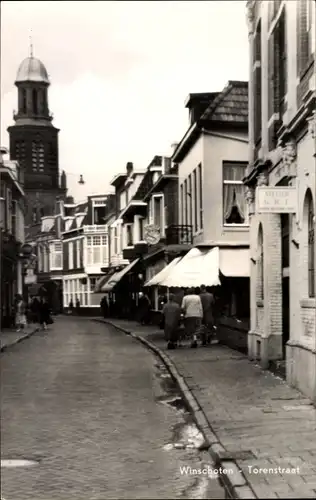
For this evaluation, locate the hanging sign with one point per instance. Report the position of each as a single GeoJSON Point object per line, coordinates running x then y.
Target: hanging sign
{"type": "Point", "coordinates": [277, 199]}
{"type": "Point", "coordinates": [151, 234]}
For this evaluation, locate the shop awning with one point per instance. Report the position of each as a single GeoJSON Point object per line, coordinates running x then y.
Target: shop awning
{"type": "Point", "coordinates": [159, 277]}
{"type": "Point", "coordinates": [196, 268]}
{"type": "Point", "coordinates": [101, 282]}
{"type": "Point", "coordinates": [116, 277]}
{"type": "Point", "coordinates": [234, 262]}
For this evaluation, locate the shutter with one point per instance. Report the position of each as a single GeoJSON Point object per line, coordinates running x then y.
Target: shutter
{"type": "Point", "coordinates": [271, 75]}
{"type": "Point", "coordinates": [303, 45]}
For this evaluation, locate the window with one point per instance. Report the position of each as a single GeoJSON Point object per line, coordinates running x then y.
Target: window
{"type": "Point", "coordinates": [190, 199]}
{"type": "Point", "coordinates": [34, 101]}
{"type": "Point", "coordinates": [129, 235]}
{"type": "Point", "coordinates": [70, 255]}
{"type": "Point", "coordinates": [282, 63]}
{"type": "Point", "coordinates": [234, 202]}
{"type": "Point", "coordinates": [2, 205]}
{"type": "Point", "coordinates": [285, 240]}
{"type": "Point", "coordinates": [23, 101]}
{"type": "Point", "coordinates": [304, 35]}
{"type": "Point", "coordinates": [97, 250]}
{"type": "Point", "coordinates": [257, 86]}
{"type": "Point", "coordinates": [260, 266]}
{"type": "Point", "coordinates": [93, 282]}
{"type": "Point", "coordinates": [185, 203]}
{"type": "Point", "coordinates": [311, 246]}
{"type": "Point", "coordinates": [200, 174]}
{"type": "Point", "coordinates": [182, 204]}
{"type": "Point", "coordinates": [40, 258]}
{"type": "Point", "coordinates": [141, 229]}
{"type": "Point", "coordinates": [278, 69]}
{"type": "Point", "coordinates": [195, 201]}
{"type": "Point", "coordinates": [14, 217]}
{"type": "Point", "coordinates": [115, 241]}
{"type": "Point", "coordinates": [158, 211]}
{"type": "Point", "coordinates": [56, 256]}
{"type": "Point", "coordinates": [37, 156]}
{"type": "Point", "coordinates": [99, 214]}
{"type": "Point", "coordinates": [9, 209]}
{"type": "Point", "coordinates": [78, 252]}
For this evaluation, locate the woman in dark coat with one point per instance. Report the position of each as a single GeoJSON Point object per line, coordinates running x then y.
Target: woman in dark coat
{"type": "Point", "coordinates": [44, 313]}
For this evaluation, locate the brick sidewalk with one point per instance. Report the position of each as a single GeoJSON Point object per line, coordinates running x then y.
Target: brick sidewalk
{"type": "Point", "coordinates": [9, 337]}
{"type": "Point", "coordinates": [259, 420]}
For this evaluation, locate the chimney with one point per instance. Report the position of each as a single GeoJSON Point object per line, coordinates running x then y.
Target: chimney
{"type": "Point", "coordinates": [174, 146]}
{"type": "Point", "coordinates": [129, 167]}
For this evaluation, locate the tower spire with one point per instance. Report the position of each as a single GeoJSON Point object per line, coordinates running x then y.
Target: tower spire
{"type": "Point", "coordinates": [31, 43]}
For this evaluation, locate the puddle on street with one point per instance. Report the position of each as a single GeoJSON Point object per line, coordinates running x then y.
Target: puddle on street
{"type": "Point", "coordinates": [188, 441]}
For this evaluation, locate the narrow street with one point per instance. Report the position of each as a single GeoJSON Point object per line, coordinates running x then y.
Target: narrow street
{"type": "Point", "coordinates": [85, 403]}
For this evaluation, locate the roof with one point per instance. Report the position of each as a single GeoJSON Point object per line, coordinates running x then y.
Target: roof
{"type": "Point", "coordinates": [200, 97]}
{"type": "Point", "coordinates": [32, 70]}
{"type": "Point", "coordinates": [231, 105]}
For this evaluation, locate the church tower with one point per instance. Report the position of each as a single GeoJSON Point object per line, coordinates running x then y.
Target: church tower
{"type": "Point", "coordinates": [34, 141]}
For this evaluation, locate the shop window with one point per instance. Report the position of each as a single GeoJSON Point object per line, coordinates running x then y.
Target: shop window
{"type": "Point", "coordinates": [311, 244]}
{"type": "Point", "coordinates": [234, 201]}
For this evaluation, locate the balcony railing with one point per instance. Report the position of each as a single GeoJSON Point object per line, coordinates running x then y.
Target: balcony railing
{"type": "Point", "coordinates": [179, 235]}
{"type": "Point", "coordinates": [102, 228]}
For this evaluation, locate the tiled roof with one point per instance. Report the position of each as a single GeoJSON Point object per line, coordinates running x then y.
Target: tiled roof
{"type": "Point", "coordinates": [231, 105]}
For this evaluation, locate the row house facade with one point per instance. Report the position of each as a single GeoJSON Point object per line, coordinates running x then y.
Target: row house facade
{"type": "Point", "coordinates": [212, 160]}
{"type": "Point", "coordinates": [281, 188]}
{"type": "Point", "coordinates": [12, 208]}
{"type": "Point", "coordinates": [146, 234]}
{"type": "Point", "coordinates": [71, 246]}
{"type": "Point", "coordinates": [85, 248]}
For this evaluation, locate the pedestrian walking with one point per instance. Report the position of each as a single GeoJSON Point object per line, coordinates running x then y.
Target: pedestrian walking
{"type": "Point", "coordinates": [20, 313]}
{"type": "Point", "coordinates": [193, 315]}
{"type": "Point", "coordinates": [171, 320]}
{"type": "Point", "coordinates": [45, 313]}
{"type": "Point", "coordinates": [77, 306]}
{"type": "Point", "coordinates": [34, 308]}
{"type": "Point", "coordinates": [71, 307]}
{"type": "Point", "coordinates": [144, 308]}
{"type": "Point", "coordinates": [208, 301]}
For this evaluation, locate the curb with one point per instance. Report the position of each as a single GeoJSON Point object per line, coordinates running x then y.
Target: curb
{"type": "Point", "coordinates": [235, 483]}
{"type": "Point", "coordinates": [20, 339]}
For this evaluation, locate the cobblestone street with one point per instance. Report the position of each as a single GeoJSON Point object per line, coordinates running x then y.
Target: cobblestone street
{"type": "Point", "coordinates": [82, 400]}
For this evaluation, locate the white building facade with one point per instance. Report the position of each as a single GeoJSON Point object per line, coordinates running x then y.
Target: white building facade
{"type": "Point", "coordinates": [282, 155]}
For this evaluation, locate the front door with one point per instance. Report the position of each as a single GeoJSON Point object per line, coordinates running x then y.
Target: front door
{"type": "Point", "coordinates": [285, 230]}
{"type": "Point", "coordinates": [285, 312]}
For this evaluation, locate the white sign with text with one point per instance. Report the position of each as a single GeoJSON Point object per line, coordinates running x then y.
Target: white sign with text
{"type": "Point", "coordinates": [276, 199]}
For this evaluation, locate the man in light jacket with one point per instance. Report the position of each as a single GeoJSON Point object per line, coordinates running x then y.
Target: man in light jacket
{"type": "Point", "coordinates": [193, 315]}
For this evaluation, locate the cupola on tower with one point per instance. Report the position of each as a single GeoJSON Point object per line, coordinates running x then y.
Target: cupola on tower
{"type": "Point", "coordinates": [34, 141]}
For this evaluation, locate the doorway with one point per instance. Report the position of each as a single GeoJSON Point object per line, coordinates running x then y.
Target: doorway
{"type": "Point", "coordinates": [285, 258]}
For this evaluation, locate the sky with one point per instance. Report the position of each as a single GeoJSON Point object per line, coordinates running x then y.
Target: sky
{"type": "Point", "coordinates": [120, 73]}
